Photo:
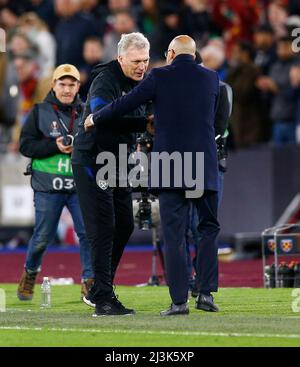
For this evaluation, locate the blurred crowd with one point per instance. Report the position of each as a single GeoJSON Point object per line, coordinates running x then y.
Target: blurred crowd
{"type": "Point", "coordinates": [252, 44]}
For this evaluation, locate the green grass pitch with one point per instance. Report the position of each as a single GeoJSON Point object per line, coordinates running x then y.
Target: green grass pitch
{"type": "Point", "coordinates": [248, 317]}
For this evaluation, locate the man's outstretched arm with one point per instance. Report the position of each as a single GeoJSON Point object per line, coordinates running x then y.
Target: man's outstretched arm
{"type": "Point", "coordinates": [141, 94]}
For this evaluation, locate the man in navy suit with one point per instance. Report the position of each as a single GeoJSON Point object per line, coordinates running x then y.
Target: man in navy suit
{"type": "Point", "coordinates": [184, 95]}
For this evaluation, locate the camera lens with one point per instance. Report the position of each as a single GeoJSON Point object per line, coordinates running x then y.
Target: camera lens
{"type": "Point", "coordinates": [68, 140]}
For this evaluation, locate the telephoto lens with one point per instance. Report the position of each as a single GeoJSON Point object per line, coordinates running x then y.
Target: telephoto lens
{"type": "Point", "coordinates": [68, 140]}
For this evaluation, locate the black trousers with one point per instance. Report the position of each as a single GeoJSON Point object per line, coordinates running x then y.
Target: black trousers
{"type": "Point", "coordinates": [108, 219]}
{"type": "Point", "coordinates": [174, 210]}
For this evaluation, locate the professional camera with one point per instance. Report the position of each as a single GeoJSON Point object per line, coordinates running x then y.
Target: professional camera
{"type": "Point", "coordinates": [144, 142]}
{"type": "Point", "coordinates": [143, 205]}
{"type": "Point", "coordinates": [146, 211]}
{"type": "Point", "coordinates": [222, 153]}
{"type": "Point", "coordinates": [144, 146]}
{"type": "Point", "coordinates": [68, 140]}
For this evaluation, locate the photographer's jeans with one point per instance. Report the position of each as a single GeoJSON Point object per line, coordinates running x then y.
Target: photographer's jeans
{"type": "Point", "coordinates": [48, 208]}
{"type": "Point", "coordinates": [284, 132]}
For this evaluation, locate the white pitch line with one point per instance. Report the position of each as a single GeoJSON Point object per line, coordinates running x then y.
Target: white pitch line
{"type": "Point", "coordinates": [152, 332]}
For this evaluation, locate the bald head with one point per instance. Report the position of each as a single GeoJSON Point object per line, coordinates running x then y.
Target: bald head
{"type": "Point", "coordinates": [181, 45]}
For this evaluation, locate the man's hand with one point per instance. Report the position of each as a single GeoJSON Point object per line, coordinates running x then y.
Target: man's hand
{"type": "Point", "coordinates": [67, 149]}
{"type": "Point", "coordinates": [88, 123]}
{"type": "Point", "coordinates": [266, 84]}
{"type": "Point", "coordinates": [150, 125]}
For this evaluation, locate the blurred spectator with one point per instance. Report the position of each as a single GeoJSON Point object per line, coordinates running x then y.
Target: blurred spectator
{"type": "Point", "coordinates": [44, 9]}
{"type": "Point", "coordinates": [148, 16]}
{"type": "Point", "coordinates": [30, 88]}
{"type": "Point", "coordinates": [213, 57]}
{"type": "Point", "coordinates": [9, 80]}
{"type": "Point", "coordinates": [169, 27]}
{"type": "Point", "coordinates": [196, 20]}
{"type": "Point", "coordinates": [37, 31]}
{"type": "Point", "coordinates": [8, 95]}
{"type": "Point", "coordinates": [283, 107]}
{"type": "Point", "coordinates": [217, 42]}
{"type": "Point", "coordinates": [123, 23]}
{"type": "Point", "coordinates": [236, 19]}
{"type": "Point", "coordinates": [19, 43]}
{"type": "Point", "coordinates": [16, 7]}
{"type": "Point", "coordinates": [92, 54]}
{"type": "Point", "coordinates": [114, 7]}
{"type": "Point", "coordinates": [71, 31]}
{"type": "Point", "coordinates": [264, 43]}
{"type": "Point", "coordinates": [246, 120]}
{"type": "Point", "coordinates": [98, 12]}
{"type": "Point", "coordinates": [8, 19]}
{"type": "Point", "coordinates": [277, 17]}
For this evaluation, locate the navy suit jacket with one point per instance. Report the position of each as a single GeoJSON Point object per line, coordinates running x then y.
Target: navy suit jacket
{"type": "Point", "coordinates": [184, 96]}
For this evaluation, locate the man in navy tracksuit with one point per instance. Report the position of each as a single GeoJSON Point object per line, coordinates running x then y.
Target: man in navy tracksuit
{"type": "Point", "coordinates": [184, 96]}
{"type": "Point", "coordinates": [107, 211]}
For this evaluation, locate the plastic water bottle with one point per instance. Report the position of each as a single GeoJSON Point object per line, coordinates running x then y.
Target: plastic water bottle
{"type": "Point", "coordinates": [46, 293]}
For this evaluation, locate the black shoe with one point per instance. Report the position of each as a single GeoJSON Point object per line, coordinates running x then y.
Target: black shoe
{"type": "Point", "coordinates": [176, 310]}
{"type": "Point", "coordinates": [206, 303]}
{"type": "Point", "coordinates": [112, 307]}
{"type": "Point", "coordinates": [88, 301]}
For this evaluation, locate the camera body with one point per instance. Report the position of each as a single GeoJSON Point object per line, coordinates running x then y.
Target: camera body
{"type": "Point", "coordinates": [145, 207]}
{"type": "Point", "coordinates": [145, 142]}
{"type": "Point", "coordinates": [222, 154]}
{"type": "Point", "coordinates": [146, 211]}
{"type": "Point", "coordinates": [68, 140]}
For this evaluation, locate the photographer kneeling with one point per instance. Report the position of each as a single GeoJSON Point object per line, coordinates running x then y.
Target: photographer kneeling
{"type": "Point", "coordinates": [47, 138]}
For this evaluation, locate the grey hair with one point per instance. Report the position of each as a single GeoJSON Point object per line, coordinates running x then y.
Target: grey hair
{"type": "Point", "coordinates": [135, 39]}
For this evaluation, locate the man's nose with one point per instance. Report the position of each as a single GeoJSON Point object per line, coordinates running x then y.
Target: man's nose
{"type": "Point", "coordinates": [142, 66]}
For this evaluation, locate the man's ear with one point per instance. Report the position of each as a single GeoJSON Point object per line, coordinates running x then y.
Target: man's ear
{"type": "Point", "coordinates": [173, 55]}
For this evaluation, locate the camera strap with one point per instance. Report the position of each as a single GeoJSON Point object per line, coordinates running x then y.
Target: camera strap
{"type": "Point", "coordinates": [64, 129]}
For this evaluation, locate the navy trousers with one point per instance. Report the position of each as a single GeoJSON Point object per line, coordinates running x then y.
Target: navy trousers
{"type": "Point", "coordinates": [174, 210]}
